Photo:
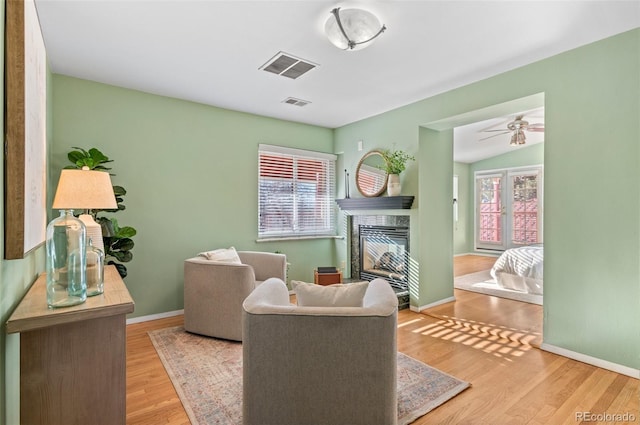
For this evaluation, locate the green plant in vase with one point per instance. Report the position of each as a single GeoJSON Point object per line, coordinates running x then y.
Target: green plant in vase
{"type": "Point", "coordinates": [117, 240]}
{"type": "Point", "coordinates": [395, 163]}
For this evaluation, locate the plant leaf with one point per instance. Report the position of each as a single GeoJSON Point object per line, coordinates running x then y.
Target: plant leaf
{"type": "Point", "coordinates": [126, 232]}
{"type": "Point", "coordinates": [107, 227]}
{"type": "Point", "coordinates": [122, 270]}
{"type": "Point", "coordinates": [124, 244]}
{"type": "Point", "coordinates": [124, 256]}
{"type": "Point", "coordinates": [98, 156]}
{"type": "Point", "coordinates": [75, 156]}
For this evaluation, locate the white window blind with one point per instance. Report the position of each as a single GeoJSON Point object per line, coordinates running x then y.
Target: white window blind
{"type": "Point", "coordinates": [296, 192]}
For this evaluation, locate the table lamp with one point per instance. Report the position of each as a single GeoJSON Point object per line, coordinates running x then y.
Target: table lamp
{"type": "Point", "coordinates": [66, 244]}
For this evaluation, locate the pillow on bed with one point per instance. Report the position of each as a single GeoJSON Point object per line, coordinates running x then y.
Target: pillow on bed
{"type": "Point", "coordinates": [222, 255]}
{"type": "Point", "coordinates": [338, 295]}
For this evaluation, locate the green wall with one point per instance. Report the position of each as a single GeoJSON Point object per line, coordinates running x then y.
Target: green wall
{"type": "Point", "coordinates": [592, 249]}
{"type": "Point", "coordinates": [190, 172]}
{"type": "Point", "coordinates": [461, 243]}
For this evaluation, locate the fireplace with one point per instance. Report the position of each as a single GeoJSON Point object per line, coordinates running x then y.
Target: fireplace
{"type": "Point", "coordinates": [390, 234]}
{"type": "Point", "coordinates": [384, 253]}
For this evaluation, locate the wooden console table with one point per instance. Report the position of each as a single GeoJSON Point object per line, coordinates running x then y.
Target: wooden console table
{"type": "Point", "coordinates": [73, 359]}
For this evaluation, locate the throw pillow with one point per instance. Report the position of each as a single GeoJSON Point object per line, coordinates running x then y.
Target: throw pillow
{"type": "Point", "coordinates": [338, 295]}
{"type": "Point", "coordinates": [222, 255]}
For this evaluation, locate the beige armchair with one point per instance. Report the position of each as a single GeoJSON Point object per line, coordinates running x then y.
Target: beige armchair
{"type": "Point", "coordinates": [214, 291]}
{"type": "Point", "coordinates": [319, 365]}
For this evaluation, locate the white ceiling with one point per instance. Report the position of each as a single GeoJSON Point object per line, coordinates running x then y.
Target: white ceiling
{"type": "Point", "coordinates": [210, 51]}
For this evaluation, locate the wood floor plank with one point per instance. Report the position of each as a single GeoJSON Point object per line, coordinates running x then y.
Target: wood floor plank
{"type": "Point", "coordinates": [597, 382]}
{"type": "Point", "coordinates": [477, 341]}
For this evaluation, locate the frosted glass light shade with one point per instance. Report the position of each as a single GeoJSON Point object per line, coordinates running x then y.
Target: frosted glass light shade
{"type": "Point", "coordinates": [360, 28]}
{"type": "Point", "coordinates": [84, 189]}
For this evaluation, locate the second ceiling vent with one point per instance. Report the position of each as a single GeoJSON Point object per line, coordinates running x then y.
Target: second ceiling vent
{"type": "Point", "coordinates": [288, 65]}
{"type": "Point", "coordinates": [296, 102]}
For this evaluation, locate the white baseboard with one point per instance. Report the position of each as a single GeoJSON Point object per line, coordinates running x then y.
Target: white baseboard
{"type": "Point", "coordinates": [418, 309]}
{"type": "Point", "coordinates": [479, 254]}
{"type": "Point", "coordinates": [154, 317]}
{"type": "Point", "coordinates": [594, 361]}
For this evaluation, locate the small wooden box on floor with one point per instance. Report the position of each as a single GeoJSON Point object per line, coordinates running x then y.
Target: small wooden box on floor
{"type": "Point", "coordinates": [73, 359]}
{"type": "Point", "coordinates": [327, 278]}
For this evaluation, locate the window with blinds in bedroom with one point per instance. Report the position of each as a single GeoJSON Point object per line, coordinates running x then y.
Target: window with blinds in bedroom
{"type": "Point", "coordinates": [296, 193]}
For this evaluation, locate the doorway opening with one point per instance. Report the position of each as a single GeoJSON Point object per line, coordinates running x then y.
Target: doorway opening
{"type": "Point", "coordinates": [498, 208]}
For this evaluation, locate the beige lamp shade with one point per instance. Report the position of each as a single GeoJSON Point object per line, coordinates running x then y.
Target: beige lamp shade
{"type": "Point", "coordinates": [84, 189]}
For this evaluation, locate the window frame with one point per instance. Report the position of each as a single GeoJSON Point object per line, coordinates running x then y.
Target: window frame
{"type": "Point", "coordinates": [318, 197]}
{"type": "Point", "coordinates": [507, 223]}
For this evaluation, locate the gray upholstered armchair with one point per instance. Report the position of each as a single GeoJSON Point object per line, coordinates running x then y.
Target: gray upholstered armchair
{"type": "Point", "coordinates": [214, 291]}
{"type": "Point", "coordinates": [319, 365]}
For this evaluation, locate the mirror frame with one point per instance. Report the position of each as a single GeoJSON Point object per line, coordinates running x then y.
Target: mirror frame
{"type": "Point", "coordinates": [386, 179]}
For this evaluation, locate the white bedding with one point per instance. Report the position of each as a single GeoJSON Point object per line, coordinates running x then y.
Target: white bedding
{"type": "Point", "coordinates": [520, 269]}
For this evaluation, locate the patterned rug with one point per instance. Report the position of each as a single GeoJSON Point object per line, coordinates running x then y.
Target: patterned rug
{"type": "Point", "coordinates": [207, 375]}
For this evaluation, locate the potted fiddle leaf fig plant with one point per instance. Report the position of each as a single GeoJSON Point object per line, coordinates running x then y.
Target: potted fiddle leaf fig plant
{"type": "Point", "coordinates": [395, 163]}
{"type": "Point", "coordinates": [117, 240]}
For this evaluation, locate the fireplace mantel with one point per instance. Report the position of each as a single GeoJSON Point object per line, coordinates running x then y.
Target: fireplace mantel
{"type": "Point", "coordinates": [379, 203]}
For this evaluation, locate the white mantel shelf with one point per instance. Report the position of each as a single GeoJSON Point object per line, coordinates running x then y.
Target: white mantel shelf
{"type": "Point", "coordinates": [380, 203]}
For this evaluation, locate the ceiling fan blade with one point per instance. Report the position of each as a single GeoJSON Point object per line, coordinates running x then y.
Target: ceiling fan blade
{"type": "Point", "coordinates": [489, 137]}
{"type": "Point", "coordinates": [535, 127]}
{"type": "Point", "coordinates": [502, 129]}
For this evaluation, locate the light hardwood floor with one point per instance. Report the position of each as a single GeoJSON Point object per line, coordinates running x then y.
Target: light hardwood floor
{"type": "Point", "coordinates": [488, 341]}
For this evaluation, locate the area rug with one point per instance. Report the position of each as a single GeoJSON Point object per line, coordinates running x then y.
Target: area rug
{"type": "Point", "coordinates": [483, 283]}
{"type": "Point", "coordinates": [207, 375]}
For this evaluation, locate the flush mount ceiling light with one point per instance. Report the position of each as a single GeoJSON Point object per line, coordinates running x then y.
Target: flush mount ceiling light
{"type": "Point", "coordinates": [351, 29]}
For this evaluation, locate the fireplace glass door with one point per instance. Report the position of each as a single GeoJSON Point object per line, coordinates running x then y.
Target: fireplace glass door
{"type": "Point", "coordinates": [384, 253]}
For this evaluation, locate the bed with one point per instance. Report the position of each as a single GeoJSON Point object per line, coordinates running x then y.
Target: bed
{"type": "Point", "coordinates": [520, 269]}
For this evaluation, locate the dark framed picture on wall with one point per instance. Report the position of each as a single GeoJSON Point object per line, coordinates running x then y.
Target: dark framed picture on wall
{"type": "Point", "coordinates": [25, 160]}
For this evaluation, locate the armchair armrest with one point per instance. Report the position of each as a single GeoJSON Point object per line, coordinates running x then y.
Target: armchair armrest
{"type": "Point", "coordinates": [265, 264]}
{"type": "Point", "coordinates": [213, 296]}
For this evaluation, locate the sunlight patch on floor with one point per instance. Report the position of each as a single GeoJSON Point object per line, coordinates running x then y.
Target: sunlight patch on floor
{"type": "Point", "coordinates": [501, 341]}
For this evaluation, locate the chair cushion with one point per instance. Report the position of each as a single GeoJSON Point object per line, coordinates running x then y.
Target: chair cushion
{"type": "Point", "coordinates": [222, 255]}
{"type": "Point", "coordinates": [338, 295]}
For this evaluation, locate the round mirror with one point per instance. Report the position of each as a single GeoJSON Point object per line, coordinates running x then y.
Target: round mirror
{"type": "Point", "coordinates": [371, 177]}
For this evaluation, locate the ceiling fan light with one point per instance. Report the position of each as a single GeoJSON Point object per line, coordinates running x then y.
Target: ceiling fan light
{"type": "Point", "coordinates": [352, 29]}
{"type": "Point", "coordinates": [518, 138]}
{"type": "Point", "coordinates": [514, 140]}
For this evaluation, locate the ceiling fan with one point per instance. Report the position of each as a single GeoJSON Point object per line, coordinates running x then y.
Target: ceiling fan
{"type": "Point", "coordinates": [517, 127]}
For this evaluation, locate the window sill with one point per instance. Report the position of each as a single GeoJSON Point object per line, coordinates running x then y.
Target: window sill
{"type": "Point", "coordinates": [297, 238]}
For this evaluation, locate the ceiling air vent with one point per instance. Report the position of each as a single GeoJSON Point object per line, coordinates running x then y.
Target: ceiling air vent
{"type": "Point", "coordinates": [297, 102]}
{"type": "Point", "coordinates": [288, 65]}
